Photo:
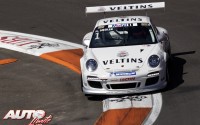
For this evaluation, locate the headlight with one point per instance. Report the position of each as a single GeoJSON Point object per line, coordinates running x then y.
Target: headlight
{"type": "Point", "coordinates": [91, 65]}
{"type": "Point", "coordinates": [154, 61]}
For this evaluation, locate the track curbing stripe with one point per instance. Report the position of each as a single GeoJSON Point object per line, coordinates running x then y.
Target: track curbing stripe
{"type": "Point", "coordinates": [157, 106]}
{"type": "Point", "coordinates": [7, 61]}
{"type": "Point", "coordinates": [67, 58]}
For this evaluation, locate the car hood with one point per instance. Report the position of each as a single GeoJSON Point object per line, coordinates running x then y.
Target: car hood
{"type": "Point", "coordinates": [123, 57]}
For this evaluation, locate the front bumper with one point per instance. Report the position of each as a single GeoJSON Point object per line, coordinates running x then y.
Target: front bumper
{"type": "Point", "coordinates": [125, 91]}
{"type": "Point", "coordinates": [142, 82]}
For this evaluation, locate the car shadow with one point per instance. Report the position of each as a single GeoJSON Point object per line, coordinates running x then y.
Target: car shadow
{"type": "Point", "coordinates": [176, 73]}
{"type": "Point", "coordinates": [176, 69]}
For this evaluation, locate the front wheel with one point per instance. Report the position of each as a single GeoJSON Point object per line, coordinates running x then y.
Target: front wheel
{"type": "Point", "coordinates": [168, 65]}
{"type": "Point", "coordinates": [81, 83]}
{"type": "Point", "coordinates": [167, 74]}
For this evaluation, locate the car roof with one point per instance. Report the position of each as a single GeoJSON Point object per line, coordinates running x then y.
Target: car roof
{"type": "Point", "coordinates": [123, 19]}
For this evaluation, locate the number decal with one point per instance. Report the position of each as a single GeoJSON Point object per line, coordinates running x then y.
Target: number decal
{"type": "Point", "coordinates": [97, 35]}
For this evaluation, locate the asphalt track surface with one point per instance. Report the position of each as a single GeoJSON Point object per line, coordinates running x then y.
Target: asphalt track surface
{"type": "Point", "coordinates": [34, 83]}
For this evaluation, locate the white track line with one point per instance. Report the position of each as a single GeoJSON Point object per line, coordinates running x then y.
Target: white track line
{"type": "Point", "coordinates": [157, 106]}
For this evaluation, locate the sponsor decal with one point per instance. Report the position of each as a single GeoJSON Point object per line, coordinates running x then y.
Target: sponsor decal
{"type": "Point", "coordinates": [125, 7]}
{"type": "Point", "coordinates": [42, 45]}
{"type": "Point", "coordinates": [131, 7]}
{"type": "Point", "coordinates": [106, 29]}
{"type": "Point", "coordinates": [123, 73]}
{"type": "Point", "coordinates": [127, 79]}
{"type": "Point", "coordinates": [122, 79]}
{"type": "Point", "coordinates": [123, 60]}
{"type": "Point", "coordinates": [16, 40]}
{"type": "Point", "coordinates": [122, 54]}
{"type": "Point", "coordinates": [131, 98]}
{"type": "Point", "coordinates": [111, 26]}
{"type": "Point", "coordinates": [120, 25]}
{"type": "Point", "coordinates": [121, 20]}
{"type": "Point", "coordinates": [37, 116]}
{"type": "Point", "coordinates": [20, 41]}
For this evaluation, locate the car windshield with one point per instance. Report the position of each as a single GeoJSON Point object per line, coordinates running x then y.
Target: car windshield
{"type": "Point", "coordinates": [122, 35]}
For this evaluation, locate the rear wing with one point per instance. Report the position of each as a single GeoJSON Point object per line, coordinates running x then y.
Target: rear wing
{"type": "Point", "coordinates": [125, 7]}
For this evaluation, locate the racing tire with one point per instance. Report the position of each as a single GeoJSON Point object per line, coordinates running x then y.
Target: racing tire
{"type": "Point", "coordinates": [169, 63]}
{"type": "Point", "coordinates": [81, 83]}
{"type": "Point", "coordinates": [168, 66]}
{"type": "Point", "coordinates": [167, 74]}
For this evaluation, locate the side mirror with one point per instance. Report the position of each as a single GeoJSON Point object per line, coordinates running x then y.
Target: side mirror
{"type": "Point", "coordinates": [162, 30]}
{"type": "Point", "coordinates": [86, 42]}
{"type": "Point", "coordinates": [161, 33]}
{"type": "Point", "coordinates": [87, 39]}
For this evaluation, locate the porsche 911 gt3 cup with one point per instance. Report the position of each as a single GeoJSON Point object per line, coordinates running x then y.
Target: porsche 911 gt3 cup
{"type": "Point", "coordinates": [125, 55]}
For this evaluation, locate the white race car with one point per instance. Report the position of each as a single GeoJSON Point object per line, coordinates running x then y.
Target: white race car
{"type": "Point", "coordinates": [125, 55]}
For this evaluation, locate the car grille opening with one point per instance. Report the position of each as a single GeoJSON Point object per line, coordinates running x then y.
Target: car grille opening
{"type": "Point", "coordinates": [95, 84]}
{"type": "Point", "coordinates": [123, 86]}
{"type": "Point", "coordinates": [151, 81]}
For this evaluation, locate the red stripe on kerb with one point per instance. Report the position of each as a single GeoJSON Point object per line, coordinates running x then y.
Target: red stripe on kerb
{"type": "Point", "coordinates": [68, 58]}
{"type": "Point", "coordinates": [131, 116]}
